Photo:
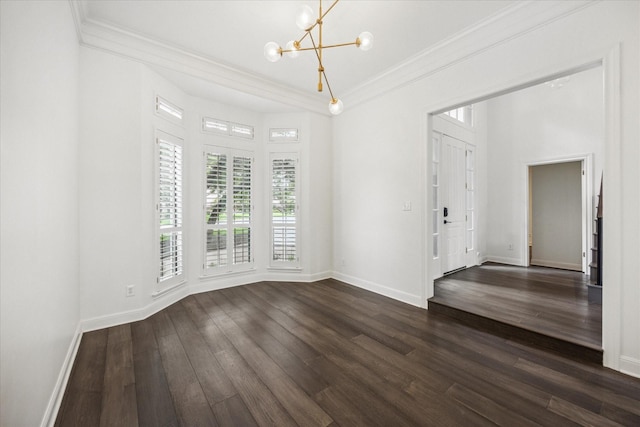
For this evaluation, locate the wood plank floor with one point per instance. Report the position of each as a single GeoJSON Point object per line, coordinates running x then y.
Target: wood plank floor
{"type": "Point", "coordinates": [328, 354]}
{"type": "Point", "coordinates": [550, 302]}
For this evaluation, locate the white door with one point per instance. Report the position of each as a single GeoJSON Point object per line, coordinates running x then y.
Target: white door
{"type": "Point", "coordinates": [453, 204]}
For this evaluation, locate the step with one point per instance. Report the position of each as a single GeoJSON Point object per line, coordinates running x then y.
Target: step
{"type": "Point", "coordinates": [572, 349]}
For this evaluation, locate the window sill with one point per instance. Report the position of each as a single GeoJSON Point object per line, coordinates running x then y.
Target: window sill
{"type": "Point", "coordinates": [286, 269]}
{"type": "Point", "coordinates": [168, 289]}
{"type": "Point", "coordinates": [226, 274]}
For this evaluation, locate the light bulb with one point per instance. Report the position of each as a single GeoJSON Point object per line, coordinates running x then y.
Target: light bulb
{"type": "Point", "coordinates": [292, 48]}
{"type": "Point", "coordinates": [305, 17]}
{"type": "Point", "coordinates": [272, 52]}
{"type": "Point", "coordinates": [365, 40]}
{"type": "Point", "coordinates": [336, 106]}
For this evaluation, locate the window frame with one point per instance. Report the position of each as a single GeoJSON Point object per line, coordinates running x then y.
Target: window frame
{"type": "Point", "coordinates": [171, 111]}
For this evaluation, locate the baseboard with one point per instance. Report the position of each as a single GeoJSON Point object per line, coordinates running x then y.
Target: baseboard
{"type": "Point", "coordinates": [276, 275]}
{"type": "Point", "coordinates": [123, 317]}
{"type": "Point", "coordinates": [630, 366]}
{"type": "Point", "coordinates": [504, 260]}
{"type": "Point", "coordinates": [206, 284]}
{"type": "Point", "coordinates": [50, 415]}
{"type": "Point", "coordinates": [320, 276]}
{"type": "Point", "coordinates": [379, 289]}
{"type": "Point", "coordinates": [556, 264]}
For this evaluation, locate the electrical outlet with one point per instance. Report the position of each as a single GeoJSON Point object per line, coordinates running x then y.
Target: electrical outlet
{"type": "Point", "coordinates": [510, 246]}
{"type": "Point", "coordinates": [130, 290]}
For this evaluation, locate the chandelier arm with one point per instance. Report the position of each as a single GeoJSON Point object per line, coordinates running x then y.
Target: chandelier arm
{"type": "Point", "coordinates": [322, 16]}
{"type": "Point", "coordinates": [328, 85]}
{"type": "Point", "coordinates": [339, 45]}
{"type": "Point", "coordinates": [321, 67]}
{"type": "Point", "coordinates": [302, 49]}
{"type": "Point", "coordinates": [303, 37]}
{"type": "Point", "coordinates": [318, 52]}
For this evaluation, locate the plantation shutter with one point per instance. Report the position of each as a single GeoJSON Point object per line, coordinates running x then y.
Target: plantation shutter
{"type": "Point", "coordinates": [284, 209]}
{"type": "Point", "coordinates": [169, 206]}
{"type": "Point", "coordinates": [241, 210]}
{"type": "Point", "coordinates": [228, 211]}
{"type": "Point", "coordinates": [216, 210]}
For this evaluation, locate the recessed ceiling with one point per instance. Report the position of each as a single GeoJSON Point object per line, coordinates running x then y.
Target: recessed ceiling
{"type": "Point", "coordinates": [234, 33]}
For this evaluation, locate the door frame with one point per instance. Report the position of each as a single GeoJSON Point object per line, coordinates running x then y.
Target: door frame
{"type": "Point", "coordinates": [587, 202]}
{"type": "Point", "coordinates": [441, 126]}
{"type": "Point", "coordinates": [609, 59]}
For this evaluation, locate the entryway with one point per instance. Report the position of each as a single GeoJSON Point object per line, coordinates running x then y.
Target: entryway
{"type": "Point", "coordinates": [540, 306]}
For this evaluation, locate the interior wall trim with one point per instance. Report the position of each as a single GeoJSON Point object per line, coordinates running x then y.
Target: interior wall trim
{"type": "Point", "coordinates": [154, 52]}
{"type": "Point", "coordinates": [630, 366]}
{"type": "Point", "coordinates": [50, 414]}
{"type": "Point", "coordinates": [380, 289]}
{"type": "Point", "coordinates": [511, 22]}
{"type": "Point", "coordinates": [203, 285]}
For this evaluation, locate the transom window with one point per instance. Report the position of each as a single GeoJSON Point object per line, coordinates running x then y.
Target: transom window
{"type": "Point", "coordinates": [462, 114]}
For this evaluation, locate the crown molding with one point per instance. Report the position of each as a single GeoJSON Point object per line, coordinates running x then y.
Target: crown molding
{"type": "Point", "coordinates": [511, 22]}
{"type": "Point", "coordinates": [134, 46]}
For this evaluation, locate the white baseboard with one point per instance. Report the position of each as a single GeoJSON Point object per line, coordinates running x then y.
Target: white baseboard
{"type": "Point", "coordinates": [556, 264]}
{"type": "Point", "coordinates": [320, 276]}
{"type": "Point", "coordinates": [630, 366]}
{"type": "Point", "coordinates": [206, 284]}
{"type": "Point", "coordinates": [50, 415]}
{"type": "Point", "coordinates": [380, 289]}
{"type": "Point", "coordinates": [123, 317]}
{"type": "Point", "coordinates": [504, 260]}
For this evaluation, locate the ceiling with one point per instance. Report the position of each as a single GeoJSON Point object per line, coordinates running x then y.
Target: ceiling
{"type": "Point", "coordinates": [233, 34]}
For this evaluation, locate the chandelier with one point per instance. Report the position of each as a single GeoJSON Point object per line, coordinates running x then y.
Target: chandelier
{"type": "Point", "coordinates": [307, 22]}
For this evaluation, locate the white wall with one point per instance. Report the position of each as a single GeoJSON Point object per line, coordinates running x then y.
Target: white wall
{"type": "Point", "coordinates": [111, 188]}
{"type": "Point", "coordinates": [537, 125]}
{"type": "Point", "coordinates": [319, 234]}
{"type": "Point", "coordinates": [379, 155]}
{"type": "Point", "coordinates": [376, 155]}
{"type": "Point", "coordinates": [39, 264]}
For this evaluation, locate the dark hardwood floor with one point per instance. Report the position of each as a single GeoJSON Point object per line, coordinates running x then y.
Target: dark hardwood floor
{"type": "Point", "coordinates": [536, 303]}
{"type": "Point", "coordinates": [280, 354]}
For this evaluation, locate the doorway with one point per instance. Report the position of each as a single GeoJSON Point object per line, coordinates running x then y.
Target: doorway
{"type": "Point", "coordinates": [556, 228]}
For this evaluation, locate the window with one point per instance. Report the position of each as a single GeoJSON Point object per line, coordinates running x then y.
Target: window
{"type": "Point", "coordinates": [435, 189]}
{"type": "Point", "coordinates": [461, 114]}
{"type": "Point", "coordinates": [211, 125]}
{"type": "Point", "coordinates": [227, 210]}
{"type": "Point", "coordinates": [470, 190]}
{"type": "Point", "coordinates": [168, 110]}
{"type": "Point", "coordinates": [283, 135]}
{"type": "Point", "coordinates": [284, 209]}
{"type": "Point", "coordinates": [169, 207]}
